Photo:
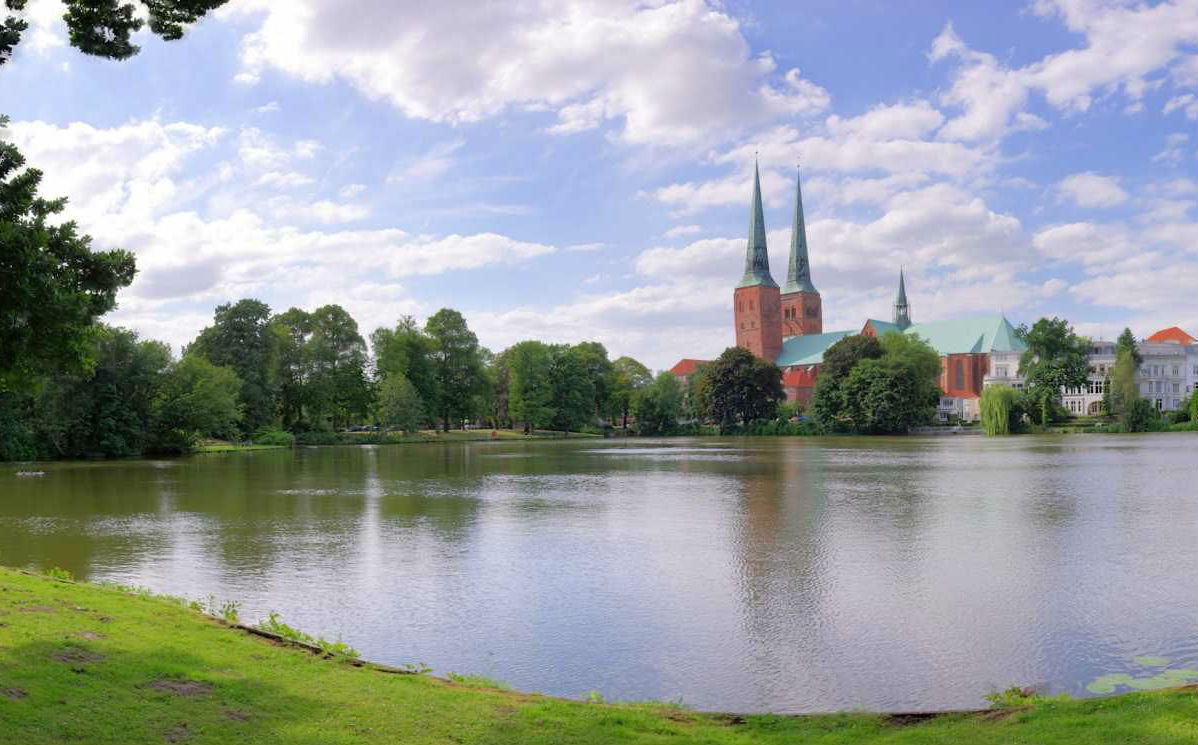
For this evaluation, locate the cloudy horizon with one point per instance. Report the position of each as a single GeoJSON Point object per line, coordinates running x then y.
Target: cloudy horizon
{"type": "Point", "coordinates": [570, 170]}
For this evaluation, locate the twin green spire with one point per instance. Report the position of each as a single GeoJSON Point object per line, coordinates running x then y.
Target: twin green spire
{"type": "Point", "coordinates": [798, 275]}
{"type": "Point", "coordinates": [757, 258]}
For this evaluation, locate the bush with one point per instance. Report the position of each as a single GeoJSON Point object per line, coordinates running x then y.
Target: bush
{"type": "Point", "coordinates": [272, 436]}
{"type": "Point", "coordinates": [317, 438]}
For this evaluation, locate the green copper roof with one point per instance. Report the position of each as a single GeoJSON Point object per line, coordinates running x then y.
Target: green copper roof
{"type": "Point", "coordinates": [969, 335]}
{"type": "Point", "coordinates": [902, 294]}
{"type": "Point", "coordinates": [798, 274]}
{"type": "Point", "coordinates": [808, 349]}
{"type": "Point", "coordinates": [757, 257]}
{"type": "Point", "coordinates": [961, 336]}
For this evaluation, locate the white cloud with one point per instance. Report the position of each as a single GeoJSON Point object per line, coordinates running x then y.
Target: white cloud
{"type": "Point", "coordinates": [1126, 45]}
{"type": "Point", "coordinates": [267, 108]}
{"type": "Point", "coordinates": [910, 121]}
{"type": "Point", "coordinates": [586, 247]}
{"type": "Point", "coordinates": [670, 72]}
{"type": "Point", "coordinates": [430, 165]}
{"type": "Point", "coordinates": [1186, 102]}
{"type": "Point", "coordinates": [679, 231]}
{"type": "Point", "coordinates": [284, 179]}
{"type": "Point", "coordinates": [1090, 189]}
{"type": "Point", "coordinates": [349, 191]}
{"type": "Point", "coordinates": [1174, 149]}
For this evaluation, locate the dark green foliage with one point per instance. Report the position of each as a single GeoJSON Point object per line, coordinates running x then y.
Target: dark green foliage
{"type": "Point", "coordinates": [1055, 358]}
{"type": "Point", "coordinates": [572, 388]}
{"type": "Point", "coordinates": [877, 386]}
{"type": "Point", "coordinates": [291, 331]}
{"type": "Point", "coordinates": [553, 386]}
{"type": "Point", "coordinates": [839, 359]}
{"type": "Point", "coordinates": [456, 364]}
{"type": "Point", "coordinates": [658, 405]}
{"type": "Point", "coordinates": [195, 399]}
{"type": "Point", "coordinates": [399, 405]}
{"type": "Point", "coordinates": [1127, 343]}
{"type": "Point", "coordinates": [334, 361]}
{"type": "Point", "coordinates": [738, 388]}
{"type": "Point", "coordinates": [598, 372]}
{"type": "Point", "coordinates": [406, 350]}
{"type": "Point", "coordinates": [241, 338]}
{"type": "Point", "coordinates": [1140, 416]}
{"type": "Point", "coordinates": [103, 27]}
{"type": "Point", "coordinates": [628, 376]}
{"type": "Point", "coordinates": [52, 285]}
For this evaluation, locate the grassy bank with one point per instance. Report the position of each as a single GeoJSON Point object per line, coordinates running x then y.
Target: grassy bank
{"type": "Point", "coordinates": [390, 438]}
{"type": "Point", "coordinates": [81, 663]}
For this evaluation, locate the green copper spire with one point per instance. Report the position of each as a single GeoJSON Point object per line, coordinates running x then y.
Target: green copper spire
{"type": "Point", "coordinates": [902, 312]}
{"type": "Point", "coordinates": [798, 274]}
{"type": "Point", "coordinates": [757, 257]}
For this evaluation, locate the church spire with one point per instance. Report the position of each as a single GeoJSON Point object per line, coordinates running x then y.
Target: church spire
{"type": "Point", "coordinates": [757, 257]}
{"type": "Point", "coordinates": [902, 311]}
{"type": "Point", "coordinates": [798, 275]}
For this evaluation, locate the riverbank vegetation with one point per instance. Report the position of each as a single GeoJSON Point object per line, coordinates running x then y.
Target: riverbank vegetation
{"type": "Point", "coordinates": [81, 663]}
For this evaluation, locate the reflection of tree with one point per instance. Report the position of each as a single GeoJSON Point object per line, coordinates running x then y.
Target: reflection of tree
{"type": "Point", "coordinates": [779, 544]}
{"type": "Point", "coordinates": [77, 514]}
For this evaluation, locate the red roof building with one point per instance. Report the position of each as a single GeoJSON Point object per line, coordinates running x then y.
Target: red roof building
{"type": "Point", "coordinates": [1173, 334]}
{"type": "Point", "coordinates": [686, 368]}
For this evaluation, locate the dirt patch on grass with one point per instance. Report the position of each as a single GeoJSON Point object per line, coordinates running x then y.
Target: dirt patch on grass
{"type": "Point", "coordinates": [76, 655]}
{"type": "Point", "coordinates": [178, 733]}
{"type": "Point", "coordinates": [90, 636]}
{"type": "Point", "coordinates": [38, 609]}
{"type": "Point", "coordinates": [181, 687]}
{"type": "Point", "coordinates": [13, 693]}
{"type": "Point", "coordinates": [236, 715]}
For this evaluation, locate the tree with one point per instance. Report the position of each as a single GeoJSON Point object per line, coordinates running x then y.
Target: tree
{"type": "Point", "coordinates": [572, 390]}
{"type": "Point", "coordinates": [1127, 342]}
{"type": "Point", "coordinates": [530, 394]}
{"type": "Point", "coordinates": [456, 365]}
{"type": "Point", "coordinates": [335, 355]}
{"type": "Point", "coordinates": [1124, 388]}
{"type": "Point", "coordinates": [291, 331]}
{"type": "Point", "coordinates": [628, 377]}
{"type": "Point", "coordinates": [196, 399]}
{"type": "Point", "coordinates": [241, 338]}
{"type": "Point", "coordinates": [399, 405]}
{"type": "Point", "coordinates": [827, 404]}
{"type": "Point", "coordinates": [102, 28]}
{"type": "Point", "coordinates": [658, 405]}
{"type": "Point", "coordinates": [739, 388]}
{"type": "Point", "coordinates": [999, 410]}
{"type": "Point", "coordinates": [598, 371]}
{"type": "Point", "coordinates": [1055, 358]}
{"type": "Point", "coordinates": [406, 350]}
{"type": "Point", "coordinates": [53, 287]}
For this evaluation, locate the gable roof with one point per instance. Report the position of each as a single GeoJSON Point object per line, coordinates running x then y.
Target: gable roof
{"type": "Point", "coordinates": [1173, 334]}
{"type": "Point", "coordinates": [687, 367]}
{"type": "Point", "coordinates": [808, 349]}
{"type": "Point", "coordinates": [980, 335]}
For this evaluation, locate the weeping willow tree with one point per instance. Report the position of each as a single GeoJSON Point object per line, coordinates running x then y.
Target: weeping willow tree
{"type": "Point", "coordinates": [998, 401]}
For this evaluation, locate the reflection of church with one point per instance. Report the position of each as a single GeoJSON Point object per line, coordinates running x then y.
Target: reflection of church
{"type": "Point", "coordinates": [786, 325]}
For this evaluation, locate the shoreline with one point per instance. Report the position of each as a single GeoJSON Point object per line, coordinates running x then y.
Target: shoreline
{"type": "Point", "coordinates": [156, 667]}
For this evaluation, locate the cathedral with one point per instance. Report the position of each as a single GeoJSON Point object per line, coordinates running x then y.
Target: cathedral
{"type": "Point", "coordinates": [786, 325]}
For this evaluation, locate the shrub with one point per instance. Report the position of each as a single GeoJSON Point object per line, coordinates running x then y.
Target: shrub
{"type": "Point", "coordinates": [273, 436]}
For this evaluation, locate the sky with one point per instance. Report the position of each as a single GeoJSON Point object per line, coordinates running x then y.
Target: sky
{"type": "Point", "coordinates": [572, 170]}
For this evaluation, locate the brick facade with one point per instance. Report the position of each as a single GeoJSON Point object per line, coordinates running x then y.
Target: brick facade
{"type": "Point", "coordinates": [802, 313]}
{"type": "Point", "coordinates": [758, 320]}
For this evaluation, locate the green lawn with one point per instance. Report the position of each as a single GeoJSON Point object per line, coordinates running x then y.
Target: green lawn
{"type": "Point", "coordinates": [80, 663]}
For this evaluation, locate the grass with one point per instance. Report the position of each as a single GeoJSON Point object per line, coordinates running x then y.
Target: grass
{"type": "Point", "coordinates": [220, 446]}
{"type": "Point", "coordinates": [85, 663]}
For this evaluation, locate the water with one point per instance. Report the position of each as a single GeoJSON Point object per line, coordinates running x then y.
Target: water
{"type": "Point", "coordinates": [789, 575]}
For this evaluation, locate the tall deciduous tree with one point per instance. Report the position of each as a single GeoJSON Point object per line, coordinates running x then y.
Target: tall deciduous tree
{"type": "Point", "coordinates": [406, 350]}
{"type": "Point", "coordinates": [399, 405]}
{"type": "Point", "coordinates": [658, 405]}
{"type": "Point", "coordinates": [1055, 358]}
{"type": "Point", "coordinates": [456, 364]}
{"type": "Point", "coordinates": [739, 388]}
{"type": "Point", "coordinates": [629, 376]}
{"type": "Point", "coordinates": [291, 331]}
{"type": "Point", "coordinates": [335, 354]}
{"type": "Point", "coordinates": [529, 393]}
{"type": "Point", "coordinates": [195, 399]}
{"type": "Point", "coordinates": [241, 338]}
{"type": "Point", "coordinates": [53, 287]}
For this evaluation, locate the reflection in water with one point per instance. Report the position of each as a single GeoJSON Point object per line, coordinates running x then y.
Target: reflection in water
{"type": "Point", "coordinates": [779, 574]}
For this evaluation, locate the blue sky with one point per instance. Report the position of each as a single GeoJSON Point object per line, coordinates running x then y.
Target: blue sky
{"type": "Point", "coordinates": [570, 170]}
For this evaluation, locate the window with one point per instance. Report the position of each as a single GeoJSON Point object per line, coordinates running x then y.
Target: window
{"type": "Point", "coordinates": [1176, 370]}
{"type": "Point", "coordinates": [1177, 387]}
{"type": "Point", "coordinates": [1001, 371]}
{"type": "Point", "coordinates": [960, 375]}
{"type": "Point", "coordinates": [1160, 387]}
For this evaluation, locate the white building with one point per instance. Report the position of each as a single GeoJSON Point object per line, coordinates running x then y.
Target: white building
{"type": "Point", "coordinates": [1167, 375]}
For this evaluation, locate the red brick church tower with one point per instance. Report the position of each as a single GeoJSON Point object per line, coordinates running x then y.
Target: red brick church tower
{"type": "Point", "coordinates": [756, 300]}
{"type": "Point", "coordinates": [802, 311]}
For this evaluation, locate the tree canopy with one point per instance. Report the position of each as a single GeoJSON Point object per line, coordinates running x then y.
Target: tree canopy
{"type": "Point", "coordinates": [241, 338]}
{"type": "Point", "coordinates": [738, 388]}
{"type": "Point", "coordinates": [1055, 358]}
{"type": "Point", "coordinates": [53, 287]}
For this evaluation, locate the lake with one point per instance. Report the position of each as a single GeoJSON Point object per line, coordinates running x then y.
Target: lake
{"type": "Point", "coordinates": [786, 574]}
